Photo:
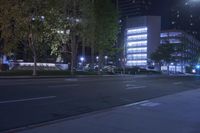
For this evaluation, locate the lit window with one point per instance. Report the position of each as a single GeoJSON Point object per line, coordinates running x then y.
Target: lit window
{"type": "Point", "coordinates": [164, 35]}
{"type": "Point", "coordinates": [137, 50]}
{"type": "Point", "coordinates": [175, 34]}
{"type": "Point", "coordinates": [174, 41]}
{"type": "Point", "coordinates": [137, 63]}
{"type": "Point", "coordinates": [137, 37]}
{"type": "Point", "coordinates": [136, 56]}
{"type": "Point", "coordinates": [137, 30]}
{"type": "Point", "coordinates": [137, 44]}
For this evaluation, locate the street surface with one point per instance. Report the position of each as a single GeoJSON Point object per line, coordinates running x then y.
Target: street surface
{"type": "Point", "coordinates": [25, 102]}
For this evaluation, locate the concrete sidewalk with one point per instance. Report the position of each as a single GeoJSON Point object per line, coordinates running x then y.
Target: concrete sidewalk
{"type": "Point", "coordinates": [179, 113]}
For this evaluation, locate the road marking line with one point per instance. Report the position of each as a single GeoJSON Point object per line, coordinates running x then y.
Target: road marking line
{"type": "Point", "coordinates": [150, 104]}
{"type": "Point", "coordinates": [128, 81]}
{"type": "Point", "coordinates": [28, 99]}
{"type": "Point", "coordinates": [130, 85]}
{"type": "Point", "coordinates": [55, 86]}
{"type": "Point", "coordinates": [71, 79]}
{"type": "Point", "coordinates": [137, 103]}
{"type": "Point", "coordinates": [177, 83]}
{"type": "Point", "coordinates": [136, 87]}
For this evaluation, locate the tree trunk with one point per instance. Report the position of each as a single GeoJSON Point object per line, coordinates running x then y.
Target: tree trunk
{"type": "Point", "coordinates": [72, 65]}
{"type": "Point", "coordinates": [73, 39]}
{"type": "Point", "coordinates": [83, 47]}
{"type": "Point", "coordinates": [73, 51]}
{"type": "Point", "coordinates": [175, 68]}
{"type": "Point", "coordinates": [168, 69]}
{"type": "Point", "coordinates": [92, 56]}
{"type": "Point", "coordinates": [100, 62]}
{"type": "Point", "coordinates": [35, 65]}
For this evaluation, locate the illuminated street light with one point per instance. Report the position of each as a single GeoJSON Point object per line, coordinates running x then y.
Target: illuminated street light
{"type": "Point", "coordinates": [97, 58]}
{"type": "Point", "coordinates": [82, 59]}
{"type": "Point", "coordinates": [197, 66]}
{"type": "Point", "coordinates": [106, 60]}
{"type": "Point", "coordinates": [193, 71]}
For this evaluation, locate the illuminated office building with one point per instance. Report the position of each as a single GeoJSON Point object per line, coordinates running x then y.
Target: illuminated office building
{"type": "Point", "coordinates": [187, 47]}
{"type": "Point", "coordinates": [142, 37]}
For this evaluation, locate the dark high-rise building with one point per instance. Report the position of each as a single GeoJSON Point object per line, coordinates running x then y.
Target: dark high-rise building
{"type": "Point", "coordinates": [130, 8]}
{"type": "Point", "coordinates": [184, 15]}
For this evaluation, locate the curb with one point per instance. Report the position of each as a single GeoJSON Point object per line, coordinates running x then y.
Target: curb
{"type": "Point", "coordinates": [50, 77]}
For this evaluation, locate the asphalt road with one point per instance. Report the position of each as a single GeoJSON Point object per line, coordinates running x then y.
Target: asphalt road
{"type": "Point", "coordinates": [24, 102]}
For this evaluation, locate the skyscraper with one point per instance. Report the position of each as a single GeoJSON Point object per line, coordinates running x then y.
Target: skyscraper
{"type": "Point", "coordinates": [130, 8]}
{"type": "Point", "coordinates": [184, 15]}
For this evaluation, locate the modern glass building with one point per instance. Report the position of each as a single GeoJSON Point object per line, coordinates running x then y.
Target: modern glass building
{"type": "Point", "coordinates": [187, 49]}
{"type": "Point", "coordinates": [141, 38]}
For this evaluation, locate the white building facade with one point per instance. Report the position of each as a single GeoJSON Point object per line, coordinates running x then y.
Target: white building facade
{"type": "Point", "coordinates": [142, 37]}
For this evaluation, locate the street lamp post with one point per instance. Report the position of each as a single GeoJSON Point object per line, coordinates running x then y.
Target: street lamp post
{"type": "Point", "coordinates": [198, 68]}
{"type": "Point", "coordinates": [106, 59]}
{"type": "Point", "coordinates": [82, 59]}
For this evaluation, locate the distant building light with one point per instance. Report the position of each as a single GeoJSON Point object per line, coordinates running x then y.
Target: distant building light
{"type": "Point", "coordinates": [173, 22]}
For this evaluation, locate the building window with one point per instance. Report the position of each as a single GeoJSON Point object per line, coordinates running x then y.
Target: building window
{"type": "Point", "coordinates": [137, 31]}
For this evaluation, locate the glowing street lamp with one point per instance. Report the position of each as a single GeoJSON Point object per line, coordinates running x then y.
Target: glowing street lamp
{"type": "Point", "coordinates": [106, 59]}
{"type": "Point", "coordinates": [97, 58]}
{"type": "Point", "coordinates": [82, 59]}
{"type": "Point", "coordinates": [197, 66]}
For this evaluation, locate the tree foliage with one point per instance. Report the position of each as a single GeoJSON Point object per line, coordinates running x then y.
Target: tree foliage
{"type": "Point", "coordinates": [36, 23]}
{"type": "Point", "coordinates": [164, 53]}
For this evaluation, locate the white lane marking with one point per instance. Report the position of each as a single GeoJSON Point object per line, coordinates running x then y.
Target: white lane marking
{"type": "Point", "coordinates": [129, 81]}
{"type": "Point", "coordinates": [28, 99]}
{"type": "Point", "coordinates": [71, 79]}
{"type": "Point", "coordinates": [145, 103]}
{"type": "Point", "coordinates": [130, 85]}
{"type": "Point", "coordinates": [137, 103]}
{"type": "Point", "coordinates": [58, 86]}
{"type": "Point", "coordinates": [136, 87]}
{"type": "Point", "coordinates": [150, 104]}
{"type": "Point", "coordinates": [177, 83]}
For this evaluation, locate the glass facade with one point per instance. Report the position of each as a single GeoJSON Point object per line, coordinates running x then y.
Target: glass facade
{"type": "Point", "coordinates": [136, 46]}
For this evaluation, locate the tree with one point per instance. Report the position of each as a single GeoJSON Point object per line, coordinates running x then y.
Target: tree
{"type": "Point", "coordinates": [37, 23]}
{"type": "Point", "coordinates": [31, 21]}
{"type": "Point", "coordinates": [69, 27]}
{"type": "Point", "coordinates": [164, 54]}
{"type": "Point", "coordinates": [106, 27]}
